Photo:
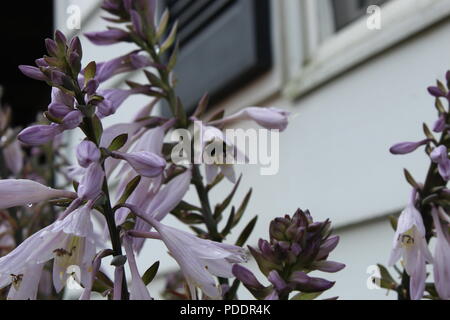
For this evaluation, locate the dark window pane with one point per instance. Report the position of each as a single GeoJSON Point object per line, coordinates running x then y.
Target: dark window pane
{"type": "Point", "coordinates": [347, 11]}
{"type": "Point", "coordinates": [223, 44]}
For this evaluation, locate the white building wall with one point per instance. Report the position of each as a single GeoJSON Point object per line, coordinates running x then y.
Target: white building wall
{"type": "Point", "coordinates": [334, 156]}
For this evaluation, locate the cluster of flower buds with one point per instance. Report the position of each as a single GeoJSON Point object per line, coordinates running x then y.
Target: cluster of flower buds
{"type": "Point", "coordinates": [297, 246]}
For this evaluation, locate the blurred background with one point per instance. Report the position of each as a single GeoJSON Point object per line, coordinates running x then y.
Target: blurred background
{"type": "Point", "coordinates": [353, 90]}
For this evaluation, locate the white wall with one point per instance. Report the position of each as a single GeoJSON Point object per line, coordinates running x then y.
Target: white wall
{"type": "Point", "coordinates": [334, 155]}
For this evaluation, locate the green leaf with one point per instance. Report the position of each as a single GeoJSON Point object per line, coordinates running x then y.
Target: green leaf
{"type": "Point", "coordinates": [90, 71]}
{"type": "Point", "coordinates": [163, 23]}
{"type": "Point", "coordinates": [118, 142]}
{"type": "Point", "coordinates": [129, 189]}
{"type": "Point", "coordinates": [184, 206]}
{"type": "Point", "coordinates": [385, 275]}
{"type": "Point", "coordinates": [150, 274]}
{"type": "Point", "coordinates": [246, 232]}
{"type": "Point", "coordinates": [216, 181]}
{"type": "Point", "coordinates": [221, 207]}
{"type": "Point", "coordinates": [306, 296]}
{"type": "Point", "coordinates": [393, 221]}
{"type": "Point", "coordinates": [170, 39]}
{"type": "Point", "coordinates": [155, 80]}
{"type": "Point", "coordinates": [52, 118]}
{"type": "Point", "coordinates": [98, 128]}
{"type": "Point", "coordinates": [411, 180]}
{"type": "Point", "coordinates": [428, 132]}
{"type": "Point", "coordinates": [173, 58]}
{"type": "Point", "coordinates": [229, 224]}
{"type": "Point", "coordinates": [201, 233]}
{"type": "Point", "coordinates": [240, 212]}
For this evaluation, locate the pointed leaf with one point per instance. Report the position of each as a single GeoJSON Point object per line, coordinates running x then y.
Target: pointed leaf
{"type": "Point", "coordinates": [129, 189]}
{"type": "Point", "coordinates": [170, 39]}
{"type": "Point", "coordinates": [246, 232]}
{"type": "Point", "coordinates": [118, 142]}
{"type": "Point", "coordinates": [150, 274]}
{"type": "Point", "coordinates": [240, 212]}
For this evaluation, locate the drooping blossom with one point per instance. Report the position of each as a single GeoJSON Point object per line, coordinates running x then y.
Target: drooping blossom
{"type": "Point", "coordinates": [15, 193]}
{"type": "Point", "coordinates": [147, 164]}
{"type": "Point", "coordinates": [87, 153]}
{"type": "Point", "coordinates": [410, 244]}
{"type": "Point", "coordinates": [441, 265]}
{"type": "Point", "coordinates": [70, 242]}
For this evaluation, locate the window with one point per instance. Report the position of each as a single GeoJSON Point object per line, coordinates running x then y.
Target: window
{"type": "Point", "coordinates": [347, 11]}
{"type": "Point", "coordinates": [335, 36]}
{"type": "Point", "coordinates": [223, 45]}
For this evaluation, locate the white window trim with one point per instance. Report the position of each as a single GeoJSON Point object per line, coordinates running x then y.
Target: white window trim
{"type": "Point", "coordinates": [351, 46]}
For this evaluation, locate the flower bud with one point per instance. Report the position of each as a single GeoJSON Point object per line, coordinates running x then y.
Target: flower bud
{"type": "Point", "coordinates": [407, 147]}
{"type": "Point", "coordinates": [440, 124]}
{"type": "Point", "coordinates": [91, 184]}
{"type": "Point", "coordinates": [72, 120]}
{"type": "Point", "coordinates": [39, 134]}
{"type": "Point", "coordinates": [33, 73]}
{"type": "Point", "coordinates": [87, 153]}
{"type": "Point", "coordinates": [436, 92]}
{"type": "Point", "coordinates": [145, 163]}
{"type": "Point", "coordinates": [52, 47]}
{"type": "Point", "coordinates": [107, 37]}
{"type": "Point", "coordinates": [59, 110]}
{"type": "Point", "coordinates": [91, 87]}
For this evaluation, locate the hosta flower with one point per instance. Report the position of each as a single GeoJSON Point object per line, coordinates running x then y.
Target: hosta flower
{"type": "Point", "coordinates": [15, 193]}
{"type": "Point", "coordinates": [39, 134]}
{"type": "Point", "coordinates": [70, 242]}
{"type": "Point", "coordinates": [122, 64]}
{"type": "Point", "coordinates": [108, 37]}
{"type": "Point", "coordinates": [91, 183]}
{"type": "Point", "coordinates": [87, 153]}
{"type": "Point", "coordinates": [269, 118]}
{"type": "Point", "coordinates": [440, 156]}
{"type": "Point", "coordinates": [200, 259]}
{"type": "Point", "coordinates": [145, 163]}
{"type": "Point", "coordinates": [13, 156]}
{"type": "Point", "coordinates": [441, 265]}
{"type": "Point", "coordinates": [410, 243]}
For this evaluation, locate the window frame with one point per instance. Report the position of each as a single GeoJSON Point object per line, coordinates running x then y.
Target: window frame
{"type": "Point", "coordinates": [354, 44]}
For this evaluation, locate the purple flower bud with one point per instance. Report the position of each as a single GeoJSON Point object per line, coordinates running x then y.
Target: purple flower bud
{"type": "Point", "coordinates": [440, 124]}
{"type": "Point", "coordinates": [72, 120]}
{"type": "Point", "coordinates": [59, 110]}
{"type": "Point", "coordinates": [75, 46]}
{"type": "Point", "coordinates": [329, 266]}
{"type": "Point", "coordinates": [108, 37]}
{"type": "Point", "coordinates": [52, 47]}
{"type": "Point", "coordinates": [39, 134]}
{"type": "Point", "coordinates": [246, 277]}
{"type": "Point", "coordinates": [137, 23]}
{"type": "Point", "coordinates": [58, 78]}
{"type": "Point", "coordinates": [41, 62]}
{"type": "Point", "coordinates": [105, 109]}
{"type": "Point", "coordinates": [407, 147]}
{"type": "Point", "coordinates": [33, 73]}
{"type": "Point", "coordinates": [61, 97]}
{"type": "Point", "coordinates": [91, 184]}
{"type": "Point", "coordinates": [309, 284]}
{"type": "Point", "coordinates": [91, 87]}
{"type": "Point", "coordinates": [145, 163]}
{"type": "Point", "coordinates": [435, 92]}
{"type": "Point", "coordinates": [60, 38]}
{"type": "Point", "coordinates": [329, 245]}
{"type": "Point", "coordinates": [439, 154]}
{"type": "Point", "coordinates": [278, 282]}
{"type": "Point", "coordinates": [87, 153]}
{"type": "Point", "coordinates": [75, 61]}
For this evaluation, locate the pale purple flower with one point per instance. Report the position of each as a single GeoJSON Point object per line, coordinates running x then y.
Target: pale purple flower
{"type": "Point", "coordinates": [13, 156]}
{"type": "Point", "coordinates": [441, 265]}
{"type": "Point", "coordinates": [90, 186]}
{"type": "Point", "coordinates": [59, 110]}
{"type": "Point", "coordinates": [70, 242]}
{"type": "Point", "coordinates": [39, 134]}
{"type": "Point", "coordinates": [25, 286]}
{"type": "Point", "coordinates": [138, 289]}
{"type": "Point", "coordinates": [269, 118]}
{"type": "Point", "coordinates": [15, 193]}
{"type": "Point", "coordinates": [407, 147]}
{"type": "Point", "coordinates": [410, 243]}
{"type": "Point", "coordinates": [59, 96]}
{"type": "Point", "coordinates": [114, 98]}
{"type": "Point", "coordinates": [439, 125]}
{"type": "Point", "coordinates": [440, 156]}
{"type": "Point", "coordinates": [200, 259]}
{"type": "Point", "coordinates": [145, 163]}
{"type": "Point", "coordinates": [108, 37]}
{"type": "Point", "coordinates": [87, 153]}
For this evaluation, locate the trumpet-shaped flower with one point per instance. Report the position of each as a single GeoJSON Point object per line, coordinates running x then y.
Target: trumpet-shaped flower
{"type": "Point", "coordinates": [441, 265]}
{"type": "Point", "coordinates": [15, 193]}
{"type": "Point", "coordinates": [409, 243]}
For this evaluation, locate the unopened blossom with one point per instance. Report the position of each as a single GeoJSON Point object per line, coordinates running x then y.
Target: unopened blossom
{"type": "Point", "coordinates": [70, 242]}
{"type": "Point", "coordinates": [114, 98]}
{"type": "Point", "coordinates": [91, 183]}
{"type": "Point", "coordinates": [126, 63]}
{"type": "Point", "coordinates": [59, 110]}
{"type": "Point", "coordinates": [87, 153]}
{"type": "Point", "coordinates": [407, 147]}
{"type": "Point", "coordinates": [145, 163]}
{"type": "Point", "coordinates": [108, 37]}
{"type": "Point", "coordinates": [441, 265]}
{"type": "Point", "coordinates": [33, 73]}
{"type": "Point", "coordinates": [15, 193]}
{"type": "Point", "coordinates": [72, 120]}
{"type": "Point", "coordinates": [439, 125]}
{"type": "Point", "coordinates": [410, 243]}
{"type": "Point", "coordinates": [269, 118]}
{"type": "Point", "coordinates": [436, 92]}
{"type": "Point", "coordinates": [440, 156]}
{"type": "Point", "coordinates": [39, 134]}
